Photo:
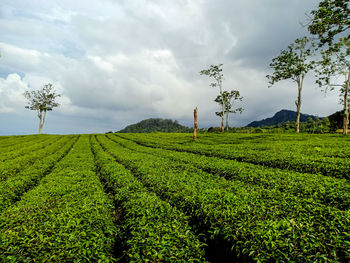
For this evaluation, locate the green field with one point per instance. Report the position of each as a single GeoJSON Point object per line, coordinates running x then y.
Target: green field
{"type": "Point", "coordinates": [165, 198]}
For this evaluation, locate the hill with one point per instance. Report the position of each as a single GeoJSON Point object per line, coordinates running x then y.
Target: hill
{"type": "Point", "coordinates": [280, 117]}
{"type": "Point", "coordinates": [155, 125]}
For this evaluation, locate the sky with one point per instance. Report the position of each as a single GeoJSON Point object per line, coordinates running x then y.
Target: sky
{"type": "Point", "coordinates": [117, 62]}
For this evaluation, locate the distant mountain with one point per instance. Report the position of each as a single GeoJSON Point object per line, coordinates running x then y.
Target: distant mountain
{"type": "Point", "coordinates": [281, 117]}
{"type": "Point", "coordinates": [156, 125]}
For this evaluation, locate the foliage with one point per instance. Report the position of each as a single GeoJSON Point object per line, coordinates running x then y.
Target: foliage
{"type": "Point", "coordinates": [214, 129]}
{"type": "Point", "coordinates": [280, 117]}
{"type": "Point", "coordinates": [280, 155]}
{"type": "Point", "coordinates": [330, 22]}
{"type": "Point", "coordinates": [156, 125]}
{"type": "Point", "coordinates": [293, 63]}
{"type": "Point", "coordinates": [334, 64]}
{"type": "Point", "coordinates": [13, 162]}
{"type": "Point", "coordinates": [152, 230]}
{"type": "Point", "coordinates": [258, 130]}
{"type": "Point", "coordinates": [27, 177]}
{"type": "Point", "coordinates": [316, 126]}
{"type": "Point", "coordinates": [228, 99]}
{"type": "Point", "coordinates": [66, 218]}
{"type": "Point", "coordinates": [332, 18]}
{"type": "Point", "coordinates": [42, 101]}
{"type": "Point", "coordinates": [336, 120]}
{"type": "Point", "coordinates": [304, 184]}
{"type": "Point", "coordinates": [158, 197]}
{"type": "Point", "coordinates": [215, 71]}
{"type": "Point", "coordinates": [258, 224]}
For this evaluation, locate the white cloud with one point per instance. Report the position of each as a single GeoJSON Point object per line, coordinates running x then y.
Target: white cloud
{"type": "Point", "coordinates": [11, 94]}
{"type": "Point", "coordinates": [117, 62]}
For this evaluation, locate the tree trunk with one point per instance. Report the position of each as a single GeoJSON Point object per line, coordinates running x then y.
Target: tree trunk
{"type": "Point", "coordinates": [195, 124]}
{"type": "Point", "coordinates": [346, 105]}
{"type": "Point", "coordinates": [222, 110]}
{"type": "Point", "coordinates": [222, 123]}
{"type": "Point", "coordinates": [298, 104]}
{"type": "Point", "coordinates": [222, 114]}
{"type": "Point", "coordinates": [44, 118]}
{"type": "Point", "coordinates": [40, 123]}
{"type": "Point", "coordinates": [227, 121]}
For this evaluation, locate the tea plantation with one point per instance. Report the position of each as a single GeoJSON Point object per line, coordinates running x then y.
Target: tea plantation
{"type": "Point", "coordinates": [164, 198]}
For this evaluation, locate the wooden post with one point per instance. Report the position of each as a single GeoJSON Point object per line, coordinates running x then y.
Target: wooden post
{"type": "Point", "coordinates": [195, 124]}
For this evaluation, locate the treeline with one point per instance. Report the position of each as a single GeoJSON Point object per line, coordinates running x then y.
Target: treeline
{"type": "Point", "coordinates": [330, 124]}
{"type": "Point", "coordinates": [312, 126]}
{"type": "Point", "coordinates": [317, 126]}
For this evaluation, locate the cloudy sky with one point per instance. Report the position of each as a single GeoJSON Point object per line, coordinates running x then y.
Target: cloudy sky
{"type": "Point", "coordinates": [116, 62]}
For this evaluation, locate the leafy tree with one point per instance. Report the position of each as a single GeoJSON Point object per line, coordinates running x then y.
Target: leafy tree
{"type": "Point", "coordinates": [42, 101]}
{"type": "Point", "coordinates": [216, 73]}
{"type": "Point", "coordinates": [293, 63]}
{"type": "Point", "coordinates": [331, 19]}
{"type": "Point", "coordinates": [335, 64]}
{"type": "Point", "coordinates": [331, 24]}
{"type": "Point", "coordinates": [228, 99]}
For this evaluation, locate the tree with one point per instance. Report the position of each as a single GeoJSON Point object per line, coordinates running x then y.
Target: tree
{"type": "Point", "coordinates": [293, 63]}
{"type": "Point", "coordinates": [215, 72]}
{"type": "Point", "coordinates": [334, 64]}
{"type": "Point", "coordinates": [228, 99]}
{"type": "Point", "coordinates": [331, 24]}
{"type": "Point", "coordinates": [42, 101]}
{"type": "Point", "coordinates": [331, 19]}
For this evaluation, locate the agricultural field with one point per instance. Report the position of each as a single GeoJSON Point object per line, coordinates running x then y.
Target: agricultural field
{"type": "Point", "coordinates": [165, 198]}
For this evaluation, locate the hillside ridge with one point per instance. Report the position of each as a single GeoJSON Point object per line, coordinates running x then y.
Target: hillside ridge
{"type": "Point", "coordinates": [155, 125]}
{"type": "Point", "coordinates": [281, 117]}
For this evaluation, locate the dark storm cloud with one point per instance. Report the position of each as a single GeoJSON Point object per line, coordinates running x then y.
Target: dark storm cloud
{"type": "Point", "coordinates": [273, 26]}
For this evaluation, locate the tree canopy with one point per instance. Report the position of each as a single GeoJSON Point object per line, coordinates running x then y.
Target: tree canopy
{"type": "Point", "coordinates": [292, 63]}
{"type": "Point", "coordinates": [330, 19]}
{"type": "Point", "coordinates": [41, 101]}
{"type": "Point", "coordinates": [228, 99]}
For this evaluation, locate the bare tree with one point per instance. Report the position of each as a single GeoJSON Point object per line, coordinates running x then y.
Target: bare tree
{"type": "Point", "coordinates": [42, 101]}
